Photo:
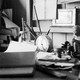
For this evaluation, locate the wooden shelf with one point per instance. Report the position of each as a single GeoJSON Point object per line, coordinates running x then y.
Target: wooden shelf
{"type": "Point", "coordinates": [55, 29]}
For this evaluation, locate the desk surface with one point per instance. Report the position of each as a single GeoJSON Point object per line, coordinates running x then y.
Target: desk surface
{"type": "Point", "coordinates": [38, 75]}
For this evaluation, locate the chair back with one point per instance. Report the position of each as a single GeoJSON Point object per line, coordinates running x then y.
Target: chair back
{"type": "Point", "coordinates": [4, 38]}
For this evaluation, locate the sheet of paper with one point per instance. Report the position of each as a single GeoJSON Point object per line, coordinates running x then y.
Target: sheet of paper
{"type": "Point", "coordinates": [47, 55]}
{"type": "Point", "coordinates": [9, 23]}
{"type": "Point", "coordinates": [64, 64]}
{"type": "Point", "coordinates": [20, 47]}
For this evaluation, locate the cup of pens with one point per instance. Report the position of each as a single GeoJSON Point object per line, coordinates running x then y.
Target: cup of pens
{"type": "Point", "coordinates": [43, 42]}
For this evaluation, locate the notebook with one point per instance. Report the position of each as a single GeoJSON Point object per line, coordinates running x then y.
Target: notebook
{"type": "Point", "coordinates": [17, 63]}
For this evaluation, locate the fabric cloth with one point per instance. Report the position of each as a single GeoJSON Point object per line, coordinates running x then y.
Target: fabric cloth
{"type": "Point", "coordinates": [76, 44]}
{"type": "Point", "coordinates": [77, 30]}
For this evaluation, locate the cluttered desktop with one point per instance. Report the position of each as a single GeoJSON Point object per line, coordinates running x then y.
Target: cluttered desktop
{"type": "Point", "coordinates": [28, 61]}
{"type": "Point", "coordinates": [39, 60]}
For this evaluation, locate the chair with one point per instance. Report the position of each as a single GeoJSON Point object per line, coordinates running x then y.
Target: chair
{"type": "Point", "coordinates": [5, 36]}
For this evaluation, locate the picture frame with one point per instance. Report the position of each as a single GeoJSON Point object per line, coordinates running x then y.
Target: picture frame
{"type": "Point", "coordinates": [66, 17]}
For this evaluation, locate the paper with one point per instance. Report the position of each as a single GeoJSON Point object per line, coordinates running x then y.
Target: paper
{"type": "Point", "coordinates": [63, 64]}
{"type": "Point", "coordinates": [9, 23]}
{"type": "Point", "coordinates": [20, 47]}
{"type": "Point", "coordinates": [47, 55]}
{"type": "Point", "coordinates": [56, 60]}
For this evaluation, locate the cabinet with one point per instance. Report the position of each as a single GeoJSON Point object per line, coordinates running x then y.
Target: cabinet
{"type": "Point", "coordinates": [62, 28]}
{"type": "Point", "coordinates": [67, 19]}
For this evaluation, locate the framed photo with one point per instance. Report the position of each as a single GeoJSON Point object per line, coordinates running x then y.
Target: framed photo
{"type": "Point", "coordinates": [66, 17]}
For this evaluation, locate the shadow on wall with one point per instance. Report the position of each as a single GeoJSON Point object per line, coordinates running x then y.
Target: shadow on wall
{"type": "Point", "coordinates": [19, 10]}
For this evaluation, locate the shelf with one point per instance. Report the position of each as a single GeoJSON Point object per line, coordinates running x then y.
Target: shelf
{"type": "Point", "coordinates": [55, 29]}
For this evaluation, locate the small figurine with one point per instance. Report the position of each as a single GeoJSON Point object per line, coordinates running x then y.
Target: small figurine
{"type": "Point", "coordinates": [60, 52]}
{"type": "Point", "coordinates": [76, 41]}
{"type": "Point", "coordinates": [68, 48]}
{"type": "Point", "coordinates": [62, 55]}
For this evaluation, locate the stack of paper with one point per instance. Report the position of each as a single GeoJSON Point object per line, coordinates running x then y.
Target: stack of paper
{"type": "Point", "coordinates": [20, 47]}
{"type": "Point", "coordinates": [47, 55]}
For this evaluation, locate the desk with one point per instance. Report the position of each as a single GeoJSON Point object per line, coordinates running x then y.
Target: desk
{"type": "Point", "coordinates": [42, 76]}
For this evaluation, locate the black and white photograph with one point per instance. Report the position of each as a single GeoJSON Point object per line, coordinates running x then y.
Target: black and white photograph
{"type": "Point", "coordinates": [39, 39]}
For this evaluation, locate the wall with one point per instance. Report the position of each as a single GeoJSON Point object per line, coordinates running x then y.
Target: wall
{"type": "Point", "coordinates": [59, 38]}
